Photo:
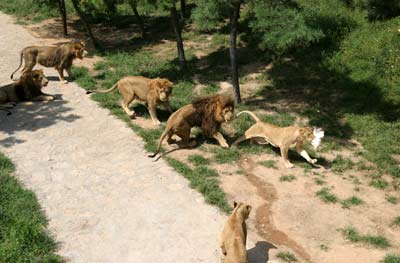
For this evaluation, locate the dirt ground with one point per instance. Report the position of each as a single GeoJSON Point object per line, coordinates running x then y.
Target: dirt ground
{"type": "Point", "coordinates": [288, 216]}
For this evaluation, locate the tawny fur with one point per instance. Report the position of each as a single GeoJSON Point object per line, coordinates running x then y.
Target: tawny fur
{"type": "Point", "coordinates": [207, 112]}
{"type": "Point", "coordinates": [27, 88]}
{"type": "Point", "coordinates": [60, 57]}
{"type": "Point", "coordinates": [151, 91]}
{"type": "Point", "coordinates": [282, 137]}
{"type": "Point", "coordinates": [234, 235]}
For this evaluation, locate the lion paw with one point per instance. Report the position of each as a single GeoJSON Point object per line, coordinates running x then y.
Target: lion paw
{"type": "Point", "coordinates": [63, 81]}
{"type": "Point", "coordinates": [313, 161]}
{"type": "Point", "coordinates": [289, 165]}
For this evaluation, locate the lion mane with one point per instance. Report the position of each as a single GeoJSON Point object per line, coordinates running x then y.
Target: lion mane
{"type": "Point", "coordinates": [209, 110]}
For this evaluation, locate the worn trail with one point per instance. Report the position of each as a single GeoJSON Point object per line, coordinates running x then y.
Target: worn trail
{"type": "Point", "coordinates": [105, 200]}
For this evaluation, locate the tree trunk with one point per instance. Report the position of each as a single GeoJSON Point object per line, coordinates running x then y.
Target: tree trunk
{"type": "Point", "coordinates": [179, 42]}
{"type": "Point", "coordinates": [82, 17]}
{"type": "Point", "coordinates": [110, 4]}
{"type": "Point", "coordinates": [138, 18]}
{"type": "Point", "coordinates": [183, 9]}
{"type": "Point", "coordinates": [234, 17]}
{"type": "Point", "coordinates": [63, 12]}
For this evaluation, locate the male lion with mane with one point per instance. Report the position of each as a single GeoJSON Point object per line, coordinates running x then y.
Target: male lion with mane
{"type": "Point", "coordinates": [27, 88]}
{"type": "Point", "coordinates": [60, 57]}
{"type": "Point", "coordinates": [207, 112]}
{"type": "Point", "coordinates": [151, 91]}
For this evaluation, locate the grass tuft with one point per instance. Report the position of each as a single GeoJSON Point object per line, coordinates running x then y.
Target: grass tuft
{"type": "Point", "coordinates": [268, 164]}
{"type": "Point", "coordinates": [327, 197]}
{"type": "Point", "coordinates": [286, 257]}
{"type": "Point", "coordinates": [391, 258]}
{"type": "Point", "coordinates": [396, 222]}
{"type": "Point", "coordinates": [223, 155]}
{"type": "Point", "coordinates": [287, 178]}
{"type": "Point", "coordinates": [352, 201]}
{"type": "Point", "coordinates": [197, 160]}
{"type": "Point", "coordinates": [352, 235]}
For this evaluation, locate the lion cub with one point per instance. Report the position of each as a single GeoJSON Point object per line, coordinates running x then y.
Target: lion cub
{"type": "Point", "coordinates": [151, 91]}
{"type": "Point", "coordinates": [234, 235]}
{"type": "Point", "coordinates": [282, 137]}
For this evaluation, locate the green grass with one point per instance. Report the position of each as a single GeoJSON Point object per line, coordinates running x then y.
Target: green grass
{"type": "Point", "coordinates": [197, 159]}
{"type": "Point", "coordinates": [351, 201]}
{"type": "Point", "coordinates": [286, 257]}
{"type": "Point", "coordinates": [324, 247]}
{"type": "Point", "coordinates": [392, 199]}
{"type": "Point", "coordinates": [326, 196]}
{"type": "Point", "coordinates": [268, 163]}
{"type": "Point", "coordinates": [340, 164]}
{"type": "Point", "coordinates": [203, 179]}
{"type": "Point", "coordinates": [23, 235]}
{"type": "Point", "coordinates": [31, 9]}
{"type": "Point", "coordinates": [287, 178]}
{"type": "Point", "coordinates": [352, 235]}
{"type": "Point", "coordinates": [222, 155]}
{"type": "Point", "coordinates": [379, 183]}
{"type": "Point", "coordinates": [391, 258]}
{"type": "Point", "coordinates": [396, 222]}
{"type": "Point", "coordinates": [319, 181]}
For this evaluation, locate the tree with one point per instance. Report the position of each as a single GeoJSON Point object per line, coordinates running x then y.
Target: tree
{"type": "Point", "coordinates": [133, 4]}
{"type": "Point", "coordinates": [63, 12]}
{"type": "Point", "coordinates": [276, 25]}
{"type": "Point", "coordinates": [81, 15]}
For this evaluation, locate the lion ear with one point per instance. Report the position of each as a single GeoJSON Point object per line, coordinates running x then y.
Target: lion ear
{"type": "Point", "coordinates": [234, 204]}
{"type": "Point", "coordinates": [248, 207]}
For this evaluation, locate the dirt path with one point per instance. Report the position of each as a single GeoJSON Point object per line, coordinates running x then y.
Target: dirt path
{"type": "Point", "coordinates": [105, 200]}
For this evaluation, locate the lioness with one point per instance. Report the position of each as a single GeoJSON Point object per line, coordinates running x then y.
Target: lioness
{"type": "Point", "coordinates": [234, 235]}
{"type": "Point", "coordinates": [207, 112]}
{"type": "Point", "coordinates": [150, 91]}
{"type": "Point", "coordinates": [27, 88]}
{"type": "Point", "coordinates": [60, 57]}
{"type": "Point", "coordinates": [283, 137]}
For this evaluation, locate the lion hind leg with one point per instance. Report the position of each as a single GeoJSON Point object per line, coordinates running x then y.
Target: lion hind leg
{"type": "Point", "coordinates": [184, 134]}
{"type": "Point", "coordinates": [125, 105]}
{"type": "Point", "coordinates": [285, 157]}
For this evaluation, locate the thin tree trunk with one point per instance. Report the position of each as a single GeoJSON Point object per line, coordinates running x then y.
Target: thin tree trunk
{"type": "Point", "coordinates": [63, 13]}
{"type": "Point", "coordinates": [234, 17]}
{"type": "Point", "coordinates": [183, 9]}
{"type": "Point", "coordinates": [138, 19]}
{"type": "Point", "coordinates": [82, 17]}
{"type": "Point", "coordinates": [179, 42]}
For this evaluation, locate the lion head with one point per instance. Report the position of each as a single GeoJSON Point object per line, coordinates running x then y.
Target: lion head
{"type": "Point", "coordinates": [78, 49]}
{"type": "Point", "coordinates": [314, 135]}
{"type": "Point", "coordinates": [162, 87]}
{"type": "Point", "coordinates": [214, 110]}
{"type": "Point", "coordinates": [242, 209]}
{"type": "Point", "coordinates": [35, 78]}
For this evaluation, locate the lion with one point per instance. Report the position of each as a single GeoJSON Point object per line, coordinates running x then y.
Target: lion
{"type": "Point", "coordinates": [283, 137]}
{"type": "Point", "coordinates": [151, 91]}
{"type": "Point", "coordinates": [233, 237]}
{"type": "Point", "coordinates": [27, 88]}
{"type": "Point", "coordinates": [207, 112]}
{"type": "Point", "coordinates": [60, 57]}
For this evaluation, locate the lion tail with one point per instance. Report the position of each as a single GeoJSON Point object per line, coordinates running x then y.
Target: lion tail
{"type": "Point", "coordinates": [103, 91]}
{"type": "Point", "coordinates": [250, 113]}
{"type": "Point", "coordinates": [163, 135]}
{"type": "Point", "coordinates": [20, 64]}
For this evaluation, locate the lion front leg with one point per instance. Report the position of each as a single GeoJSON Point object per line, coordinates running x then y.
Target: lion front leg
{"type": "Point", "coordinates": [69, 72]}
{"type": "Point", "coordinates": [153, 113]}
{"type": "Point", "coordinates": [221, 140]}
{"type": "Point", "coordinates": [43, 97]}
{"type": "Point", "coordinates": [304, 154]}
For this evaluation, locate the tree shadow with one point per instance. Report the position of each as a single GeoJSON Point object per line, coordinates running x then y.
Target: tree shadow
{"type": "Point", "coordinates": [32, 117]}
{"type": "Point", "coordinates": [259, 253]}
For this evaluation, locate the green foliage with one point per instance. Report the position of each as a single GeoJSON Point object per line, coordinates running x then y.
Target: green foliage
{"type": "Point", "coordinates": [340, 164]}
{"type": "Point", "coordinates": [204, 182]}
{"type": "Point", "coordinates": [286, 257]}
{"type": "Point", "coordinates": [391, 258]}
{"type": "Point", "coordinates": [37, 10]}
{"type": "Point", "coordinates": [23, 237]}
{"type": "Point", "coordinates": [326, 196]}
{"type": "Point", "coordinates": [268, 164]}
{"type": "Point", "coordinates": [392, 199]}
{"type": "Point", "coordinates": [223, 155]}
{"type": "Point", "coordinates": [287, 178]}
{"type": "Point", "coordinates": [197, 159]}
{"type": "Point", "coordinates": [352, 201]}
{"type": "Point", "coordinates": [396, 221]}
{"type": "Point", "coordinates": [280, 26]}
{"type": "Point", "coordinates": [352, 235]}
{"type": "Point", "coordinates": [208, 14]}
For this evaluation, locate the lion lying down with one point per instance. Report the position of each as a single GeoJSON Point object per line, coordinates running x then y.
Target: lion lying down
{"type": "Point", "coordinates": [282, 137]}
{"type": "Point", "coordinates": [27, 88]}
{"type": "Point", "coordinates": [60, 57]}
{"type": "Point", "coordinates": [207, 112]}
{"type": "Point", "coordinates": [151, 91]}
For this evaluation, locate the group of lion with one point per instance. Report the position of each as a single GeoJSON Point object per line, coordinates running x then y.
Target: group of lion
{"type": "Point", "coordinates": [206, 112]}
